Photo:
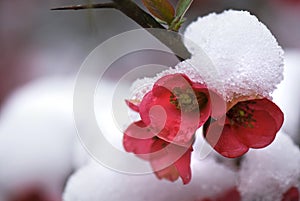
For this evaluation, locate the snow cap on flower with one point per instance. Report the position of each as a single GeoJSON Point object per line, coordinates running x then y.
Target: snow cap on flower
{"type": "Point", "coordinates": [245, 58]}
{"type": "Point", "coordinates": [141, 86]}
{"type": "Point", "coordinates": [245, 54]}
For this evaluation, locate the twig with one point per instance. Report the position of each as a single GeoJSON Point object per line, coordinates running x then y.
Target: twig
{"type": "Point", "coordinates": [170, 39]}
{"type": "Point", "coordinates": [133, 11]}
{"type": "Point", "coordinates": [90, 6]}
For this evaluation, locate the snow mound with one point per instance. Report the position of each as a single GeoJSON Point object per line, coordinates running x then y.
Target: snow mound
{"type": "Point", "coordinates": [96, 183]}
{"type": "Point", "coordinates": [266, 174]}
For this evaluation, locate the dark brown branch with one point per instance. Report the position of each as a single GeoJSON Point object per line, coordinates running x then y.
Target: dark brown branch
{"type": "Point", "coordinates": [170, 39]}
{"type": "Point", "coordinates": [81, 7]}
{"type": "Point", "coordinates": [133, 11]}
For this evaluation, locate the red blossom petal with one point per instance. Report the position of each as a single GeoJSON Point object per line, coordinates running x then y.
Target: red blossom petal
{"type": "Point", "coordinates": [172, 125]}
{"type": "Point", "coordinates": [235, 138]}
{"type": "Point", "coordinates": [291, 195]}
{"type": "Point", "coordinates": [271, 108]}
{"type": "Point", "coordinates": [183, 166]}
{"type": "Point", "coordinates": [268, 120]}
{"type": "Point", "coordinates": [137, 140]}
{"type": "Point", "coordinates": [261, 135]}
{"type": "Point", "coordinates": [216, 107]}
{"type": "Point", "coordinates": [171, 161]}
{"type": "Point", "coordinates": [217, 104]}
{"type": "Point", "coordinates": [205, 111]}
{"type": "Point", "coordinates": [158, 111]}
{"type": "Point", "coordinates": [132, 105]}
{"type": "Point", "coordinates": [174, 80]}
{"type": "Point", "coordinates": [231, 195]}
{"type": "Point", "coordinates": [224, 140]}
{"type": "Point", "coordinates": [169, 173]}
{"type": "Point", "coordinates": [180, 80]}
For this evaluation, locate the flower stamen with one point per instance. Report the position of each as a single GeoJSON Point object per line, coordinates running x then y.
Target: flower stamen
{"type": "Point", "coordinates": [242, 115]}
{"type": "Point", "coordinates": [187, 99]}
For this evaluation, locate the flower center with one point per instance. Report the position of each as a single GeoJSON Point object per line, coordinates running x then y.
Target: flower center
{"type": "Point", "coordinates": [242, 115]}
{"type": "Point", "coordinates": [188, 100]}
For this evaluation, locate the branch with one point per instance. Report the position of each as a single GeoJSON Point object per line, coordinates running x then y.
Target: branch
{"type": "Point", "coordinates": [170, 39]}
{"type": "Point", "coordinates": [81, 7]}
{"type": "Point", "coordinates": [133, 11]}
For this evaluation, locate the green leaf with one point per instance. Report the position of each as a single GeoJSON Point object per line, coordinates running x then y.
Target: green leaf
{"type": "Point", "coordinates": [162, 9]}
{"type": "Point", "coordinates": [181, 8]}
{"type": "Point", "coordinates": [175, 25]}
{"type": "Point", "coordinates": [160, 21]}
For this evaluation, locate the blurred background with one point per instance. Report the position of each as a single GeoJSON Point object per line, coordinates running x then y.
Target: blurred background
{"type": "Point", "coordinates": [38, 43]}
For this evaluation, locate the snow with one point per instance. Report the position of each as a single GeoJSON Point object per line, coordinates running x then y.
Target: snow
{"type": "Point", "coordinates": [37, 135]}
{"type": "Point", "coordinates": [95, 183]}
{"type": "Point", "coordinates": [111, 111]}
{"type": "Point", "coordinates": [266, 174]}
{"type": "Point", "coordinates": [245, 54]}
{"type": "Point", "coordinates": [80, 156]}
{"type": "Point", "coordinates": [232, 53]}
{"type": "Point", "coordinates": [210, 179]}
{"type": "Point", "coordinates": [141, 86]}
{"type": "Point", "coordinates": [287, 95]}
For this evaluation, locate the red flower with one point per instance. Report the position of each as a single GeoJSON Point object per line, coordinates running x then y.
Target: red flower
{"type": "Point", "coordinates": [230, 195]}
{"type": "Point", "coordinates": [176, 107]}
{"type": "Point", "coordinates": [32, 193]}
{"type": "Point", "coordinates": [291, 195]}
{"type": "Point", "coordinates": [168, 160]}
{"type": "Point", "coordinates": [249, 124]}
{"type": "Point", "coordinates": [292, 2]}
{"type": "Point", "coordinates": [170, 115]}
